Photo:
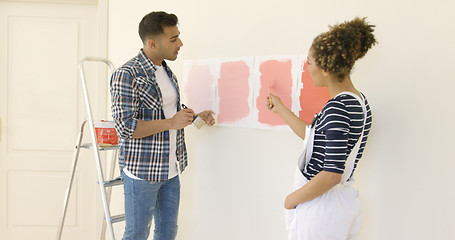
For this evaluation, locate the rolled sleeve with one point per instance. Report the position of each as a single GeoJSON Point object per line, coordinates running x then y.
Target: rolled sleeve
{"type": "Point", "coordinates": [125, 105]}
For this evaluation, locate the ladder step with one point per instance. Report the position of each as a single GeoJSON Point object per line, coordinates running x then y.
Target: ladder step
{"type": "Point", "coordinates": [118, 218]}
{"type": "Point", "coordinates": [113, 182]}
{"type": "Point", "coordinates": [101, 148]}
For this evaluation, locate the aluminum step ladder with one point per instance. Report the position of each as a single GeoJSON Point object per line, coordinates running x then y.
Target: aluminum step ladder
{"type": "Point", "coordinates": [105, 186]}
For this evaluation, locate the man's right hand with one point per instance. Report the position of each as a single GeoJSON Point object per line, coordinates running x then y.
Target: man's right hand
{"type": "Point", "coordinates": [182, 119]}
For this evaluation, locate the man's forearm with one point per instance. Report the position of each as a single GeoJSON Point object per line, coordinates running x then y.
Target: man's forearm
{"type": "Point", "coordinates": [147, 128]}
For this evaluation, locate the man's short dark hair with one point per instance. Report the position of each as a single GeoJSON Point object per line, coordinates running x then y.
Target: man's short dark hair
{"type": "Point", "coordinates": [152, 24]}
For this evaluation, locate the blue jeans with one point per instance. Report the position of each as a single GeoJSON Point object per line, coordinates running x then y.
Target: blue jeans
{"type": "Point", "coordinates": [144, 201]}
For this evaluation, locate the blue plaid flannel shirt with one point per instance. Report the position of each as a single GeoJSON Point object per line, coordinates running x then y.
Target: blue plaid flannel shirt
{"type": "Point", "coordinates": [136, 95]}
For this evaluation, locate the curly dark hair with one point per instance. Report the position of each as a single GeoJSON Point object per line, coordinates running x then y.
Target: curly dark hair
{"type": "Point", "coordinates": [337, 50]}
{"type": "Point", "coordinates": [152, 24]}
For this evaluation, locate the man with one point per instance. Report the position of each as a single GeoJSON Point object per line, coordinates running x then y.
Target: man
{"type": "Point", "coordinates": [149, 121]}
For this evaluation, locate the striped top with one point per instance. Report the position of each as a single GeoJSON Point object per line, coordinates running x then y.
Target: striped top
{"type": "Point", "coordinates": [337, 129]}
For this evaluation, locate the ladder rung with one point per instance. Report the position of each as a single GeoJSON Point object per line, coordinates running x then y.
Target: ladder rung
{"type": "Point", "coordinates": [117, 218]}
{"type": "Point", "coordinates": [113, 182]}
{"type": "Point", "coordinates": [101, 148]}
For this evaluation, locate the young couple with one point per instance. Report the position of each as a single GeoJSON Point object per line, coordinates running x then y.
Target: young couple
{"type": "Point", "coordinates": [150, 121]}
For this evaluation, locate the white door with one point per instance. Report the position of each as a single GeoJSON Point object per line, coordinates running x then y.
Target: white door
{"type": "Point", "coordinates": [41, 109]}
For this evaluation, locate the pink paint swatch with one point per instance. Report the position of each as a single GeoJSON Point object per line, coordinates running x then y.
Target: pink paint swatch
{"type": "Point", "coordinates": [233, 91]}
{"type": "Point", "coordinates": [276, 76]}
{"type": "Point", "coordinates": [312, 98]}
{"type": "Point", "coordinates": [199, 88]}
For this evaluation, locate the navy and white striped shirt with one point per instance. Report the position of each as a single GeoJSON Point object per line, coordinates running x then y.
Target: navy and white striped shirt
{"type": "Point", "coordinates": [337, 129]}
{"type": "Point", "coordinates": [137, 96]}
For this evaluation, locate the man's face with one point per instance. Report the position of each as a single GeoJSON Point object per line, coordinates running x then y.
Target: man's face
{"type": "Point", "coordinates": [169, 43]}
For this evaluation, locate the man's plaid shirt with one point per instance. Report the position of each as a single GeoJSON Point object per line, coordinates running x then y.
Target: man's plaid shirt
{"type": "Point", "coordinates": [136, 95]}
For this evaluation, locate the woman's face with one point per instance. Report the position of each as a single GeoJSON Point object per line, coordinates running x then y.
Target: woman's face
{"type": "Point", "coordinates": [316, 73]}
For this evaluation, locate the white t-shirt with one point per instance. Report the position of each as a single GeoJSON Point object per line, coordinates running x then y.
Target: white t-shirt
{"type": "Point", "coordinates": [169, 94]}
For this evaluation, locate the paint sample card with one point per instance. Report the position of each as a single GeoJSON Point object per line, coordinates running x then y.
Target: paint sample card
{"type": "Point", "coordinates": [276, 75]}
{"type": "Point", "coordinates": [311, 98]}
{"type": "Point", "coordinates": [199, 86]}
{"type": "Point", "coordinates": [234, 91]}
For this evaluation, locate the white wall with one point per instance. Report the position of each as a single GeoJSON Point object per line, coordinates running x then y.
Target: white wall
{"type": "Point", "coordinates": [235, 185]}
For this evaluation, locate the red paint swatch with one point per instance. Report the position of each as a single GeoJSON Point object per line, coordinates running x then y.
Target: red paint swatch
{"type": "Point", "coordinates": [312, 98]}
{"type": "Point", "coordinates": [199, 88]}
{"type": "Point", "coordinates": [233, 91]}
{"type": "Point", "coordinates": [276, 76]}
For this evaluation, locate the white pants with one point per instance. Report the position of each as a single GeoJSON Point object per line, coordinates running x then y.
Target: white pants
{"type": "Point", "coordinates": [335, 215]}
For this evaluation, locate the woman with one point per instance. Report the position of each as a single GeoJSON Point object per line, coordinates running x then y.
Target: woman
{"type": "Point", "coordinates": [324, 205]}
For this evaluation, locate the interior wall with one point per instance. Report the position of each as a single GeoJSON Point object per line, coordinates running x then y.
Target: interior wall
{"type": "Point", "coordinates": [238, 178]}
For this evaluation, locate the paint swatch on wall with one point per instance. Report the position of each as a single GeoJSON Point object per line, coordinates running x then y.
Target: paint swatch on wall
{"type": "Point", "coordinates": [199, 87]}
{"type": "Point", "coordinates": [312, 98]}
{"type": "Point", "coordinates": [233, 91]}
{"type": "Point", "coordinates": [276, 77]}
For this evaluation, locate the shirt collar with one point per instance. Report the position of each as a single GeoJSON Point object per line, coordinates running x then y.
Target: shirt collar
{"type": "Point", "coordinates": [150, 67]}
{"type": "Point", "coordinates": [148, 64]}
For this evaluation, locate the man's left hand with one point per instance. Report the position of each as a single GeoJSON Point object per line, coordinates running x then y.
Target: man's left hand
{"type": "Point", "coordinates": [207, 116]}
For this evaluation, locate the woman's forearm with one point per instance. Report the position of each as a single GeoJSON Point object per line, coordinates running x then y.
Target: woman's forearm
{"type": "Point", "coordinates": [296, 124]}
{"type": "Point", "coordinates": [317, 186]}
